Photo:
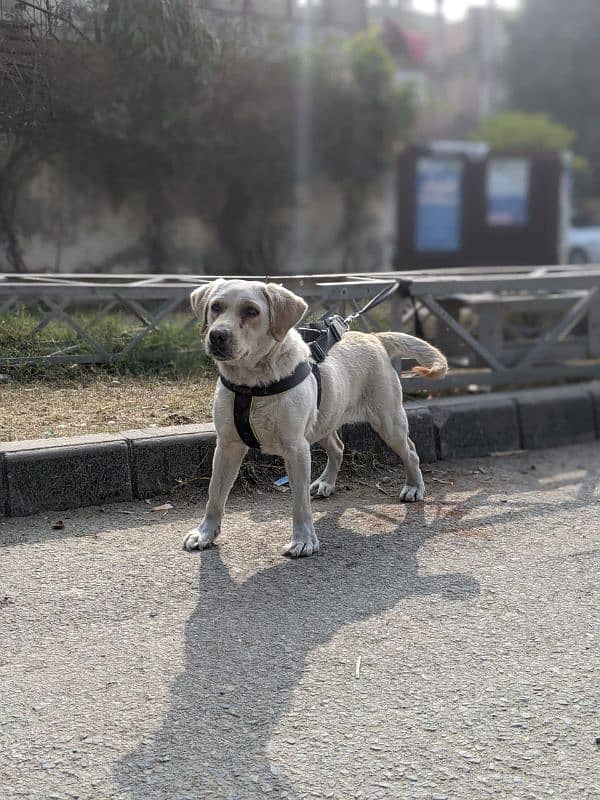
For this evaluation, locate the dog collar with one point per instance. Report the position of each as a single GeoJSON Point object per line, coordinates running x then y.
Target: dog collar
{"type": "Point", "coordinates": [244, 398]}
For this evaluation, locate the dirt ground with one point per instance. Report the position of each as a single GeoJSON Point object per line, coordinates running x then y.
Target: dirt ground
{"type": "Point", "coordinates": [38, 409]}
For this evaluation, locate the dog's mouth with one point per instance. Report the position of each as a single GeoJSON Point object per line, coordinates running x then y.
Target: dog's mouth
{"type": "Point", "coordinates": [225, 352]}
{"type": "Point", "coordinates": [220, 354]}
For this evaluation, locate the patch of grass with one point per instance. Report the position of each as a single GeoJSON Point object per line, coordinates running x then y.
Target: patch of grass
{"type": "Point", "coordinates": [21, 338]}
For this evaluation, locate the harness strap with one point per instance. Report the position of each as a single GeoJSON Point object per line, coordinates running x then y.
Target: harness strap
{"type": "Point", "coordinates": [244, 398]}
{"type": "Point", "coordinates": [242, 414]}
{"type": "Point", "coordinates": [317, 373]}
{"type": "Point", "coordinates": [300, 374]}
{"type": "Point", "coordinates": [321, 336]}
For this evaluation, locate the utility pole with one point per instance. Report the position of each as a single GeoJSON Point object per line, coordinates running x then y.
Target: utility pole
{"type": "Point", "coordinates": [441, 29]}
{"type": "Point", "coordinates": [440, 62]}
{"type": "Point", "coordinates": [493, 53]}
{"type": "Point", "coordinates": [489, 60]}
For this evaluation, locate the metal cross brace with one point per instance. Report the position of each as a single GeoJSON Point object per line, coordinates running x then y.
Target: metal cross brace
{"type": "Point", "coordinates": [575, 314]}
{"type": "Point", "coordinates": [436, 309]}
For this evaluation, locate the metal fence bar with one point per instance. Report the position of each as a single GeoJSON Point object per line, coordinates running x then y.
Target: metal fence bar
{"type": "Point", "coordinates": [52, 314]}
{"type": "Point", "coordinates": [7, 304]}
{"type": "Point", "coordinates": [136, 308]}
{"type": "Point", "coordinates": [160, 315]}
{"type": "Point", "coordinates": [96, 346]}
{"type": "Point", "coordinates": [445, 287]}
{"type": "Point", "coordinates": [567, 323]}
{"type": "Point", "coordinates": [460, 379]}
{"type": "Point", "coordinates": [441, 313]}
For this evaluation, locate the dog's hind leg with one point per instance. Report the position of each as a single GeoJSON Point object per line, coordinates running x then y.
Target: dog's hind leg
{"type": "Point", "coordinates": [325, 483]}
{"type": "Point", "coordinates": [393, 430]}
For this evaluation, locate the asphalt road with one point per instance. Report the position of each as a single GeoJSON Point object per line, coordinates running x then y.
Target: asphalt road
{"type": "Point", "coordinates": [132, 669]}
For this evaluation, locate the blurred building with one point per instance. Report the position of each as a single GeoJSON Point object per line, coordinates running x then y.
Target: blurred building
{"type": "Point", "coordinates": [410, 48]}
{"type": "Point", "coordinates": [471, 74]}
{"type": "Point", "coordinates": [344, 15]}
{"type": "Point", "coordinates": [457, 67]}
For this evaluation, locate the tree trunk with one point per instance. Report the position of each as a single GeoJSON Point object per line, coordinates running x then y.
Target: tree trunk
{"type": "Point", "coordinates": [233, 227]}
{"type": "Point", "coordinates": [9, 238]}
{"type": "Point", "coordinates": [155, 236]}
{"type": "Point", "coordinates": [12, 176]}
{"type": "Point", "coordinates": [353, 226]}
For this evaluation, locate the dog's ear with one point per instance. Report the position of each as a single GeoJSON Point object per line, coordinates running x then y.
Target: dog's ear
{"type": "Point", "coordinates": [199, 301]}
{"type": "Point", "coordinates": [286, 309]}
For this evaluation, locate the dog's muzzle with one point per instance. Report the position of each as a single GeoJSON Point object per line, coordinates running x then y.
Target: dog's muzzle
{"type": "Point", "coordinates": [220, 344]}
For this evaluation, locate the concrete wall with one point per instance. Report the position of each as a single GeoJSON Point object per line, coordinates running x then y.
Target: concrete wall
{"type": "Point", "coordinates": [68, 228]}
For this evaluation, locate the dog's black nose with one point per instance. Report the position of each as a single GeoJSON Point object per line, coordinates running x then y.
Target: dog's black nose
{"type": "Point", "coordinates": [218, 337]}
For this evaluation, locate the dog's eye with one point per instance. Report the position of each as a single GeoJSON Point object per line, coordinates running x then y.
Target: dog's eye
{"type": "Point", "coordinates": [216, 308]}
{"type": "Point", "coordinates": [250, 311]}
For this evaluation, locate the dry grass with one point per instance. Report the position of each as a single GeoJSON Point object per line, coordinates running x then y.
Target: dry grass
{"type": "Point", "coordinates": [38, 409]}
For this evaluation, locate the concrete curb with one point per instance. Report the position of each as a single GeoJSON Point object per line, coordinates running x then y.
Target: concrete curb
{"type": "Point", "coordinates": [468, 427]}
{"type": "Point", "coordinates": [58, 474]}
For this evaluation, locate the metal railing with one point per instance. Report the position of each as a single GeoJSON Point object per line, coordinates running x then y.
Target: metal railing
{"type": "Point", "coordinates": [141, 305]}
{"type": "Point", "coordinates": [509, 326]}
{"type": "Point", "coordinates": [499, 327]}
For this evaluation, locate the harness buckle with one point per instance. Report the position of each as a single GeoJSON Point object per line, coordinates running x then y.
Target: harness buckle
{"type": "Point", "coordinates": [337, 326]}
{"type": "Point", "coordinates": [318, 353]}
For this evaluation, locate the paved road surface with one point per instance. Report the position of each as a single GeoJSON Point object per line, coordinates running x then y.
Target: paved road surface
{"type": "Point", "coordinates": [131, 669]}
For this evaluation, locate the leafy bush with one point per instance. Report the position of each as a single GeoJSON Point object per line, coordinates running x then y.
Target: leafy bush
{"type": "Point", "coordinates": [513, 130]}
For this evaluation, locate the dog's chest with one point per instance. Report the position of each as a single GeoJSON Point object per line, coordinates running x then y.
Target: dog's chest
{"type": "Point", "coordinates": [277, 422]}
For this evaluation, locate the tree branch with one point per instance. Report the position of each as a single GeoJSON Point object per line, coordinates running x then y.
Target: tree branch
{"type": "Point", "coordinates": [58, 17]}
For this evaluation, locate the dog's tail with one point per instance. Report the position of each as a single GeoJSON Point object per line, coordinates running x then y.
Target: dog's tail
{"type": "Point", "coordinates": [433, 361]}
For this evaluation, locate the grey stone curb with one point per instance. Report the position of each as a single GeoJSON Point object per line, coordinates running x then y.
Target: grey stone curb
{"type": "Point", "coordinates": [58, 474]}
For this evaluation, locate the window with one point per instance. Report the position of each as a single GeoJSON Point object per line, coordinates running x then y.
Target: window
{"type": "Point", "coordinates": [507, 191]}
{"type": "Point", "coordinates": [438, 205]}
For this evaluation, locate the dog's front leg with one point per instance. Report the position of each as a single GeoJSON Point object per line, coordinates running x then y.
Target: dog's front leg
{"type": "Point", "coordinates": [304, 539]}
{"type": "Point", "coordinates": [226, 465]}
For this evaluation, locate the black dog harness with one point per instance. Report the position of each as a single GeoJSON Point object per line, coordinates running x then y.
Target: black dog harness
{"type": "Point", "coordinates": [244, 398]}
{"type": "Point", "coordinates": [321, 337]}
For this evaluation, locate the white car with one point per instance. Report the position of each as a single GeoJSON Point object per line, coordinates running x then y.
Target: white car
{"type": "Point", "coordinates": [583, 245]}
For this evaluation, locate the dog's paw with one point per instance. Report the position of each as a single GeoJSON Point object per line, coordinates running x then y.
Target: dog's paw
{"type": "Point", "coordinates": [200, 538]}
{"type": "Point", "coordinates": [302, 545]}
{"type": "Point", "coordinates": [321, 488]}
{"type": "Point", "coordinates": [412, 494]}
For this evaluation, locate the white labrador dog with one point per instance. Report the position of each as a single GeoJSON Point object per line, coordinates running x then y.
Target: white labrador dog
{"type": "Point", "coordinates": [251, 336]}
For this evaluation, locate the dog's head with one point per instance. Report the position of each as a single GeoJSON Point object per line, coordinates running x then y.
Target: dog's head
{"type": "Point", "coordinates": [243, 319]}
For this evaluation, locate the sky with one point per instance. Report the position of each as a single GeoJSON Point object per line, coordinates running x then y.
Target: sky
{"type": "Point", "coordinates": [455, 9]}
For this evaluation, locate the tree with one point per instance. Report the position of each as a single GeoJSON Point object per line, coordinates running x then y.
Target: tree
{"type": "Point", "coordinates": [552, 67]}
{"type": "Point", "coordinates": [514, 130]}
{"type": "Point", "coordinates": [25, 110]}
{"type": "Point", "coordinates": [253, 124]}
{"type": "Point", "coordinates": [357, 89]}
{"type": "Point", "coordinates": [107, 90]}
{"type": "Point", "coordinates": [38, 72]}
{"type": "Point", "coordinates": [162, 59]}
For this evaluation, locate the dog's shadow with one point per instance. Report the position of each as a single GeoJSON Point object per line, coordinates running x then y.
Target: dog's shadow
{"type": "Point", "coordinates": [246, 646]}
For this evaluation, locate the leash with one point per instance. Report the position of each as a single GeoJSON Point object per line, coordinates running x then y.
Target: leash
{"type": "Point", "coordinates": [379, 298]}
{"type": "Point", "coordinates": [322, 335]}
